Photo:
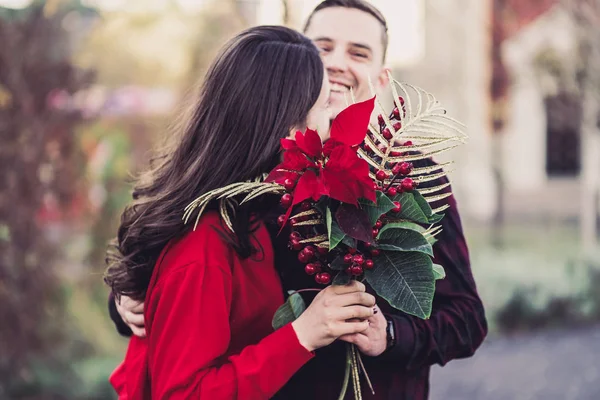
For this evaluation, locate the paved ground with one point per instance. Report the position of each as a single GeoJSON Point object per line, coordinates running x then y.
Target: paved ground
{"type": "Point", "coordinates": [560, 365]}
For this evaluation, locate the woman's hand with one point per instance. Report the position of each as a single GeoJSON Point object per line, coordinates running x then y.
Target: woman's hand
{"type": "Point", "coordinates": [335, 311]}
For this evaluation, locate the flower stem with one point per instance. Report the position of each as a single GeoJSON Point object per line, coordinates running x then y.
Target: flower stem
{"type": "Point", "coordinates": [346, 373]}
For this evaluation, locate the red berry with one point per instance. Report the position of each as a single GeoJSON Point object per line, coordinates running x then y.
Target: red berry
{"type": "Point", "coordinates": [295, 235]}
{"type": "Point", "coordinates": [352, 250]}
{"type": "Point", "coordinates": [401, 100]}
{"type": "Point", "coordinates": [310, 251]}
{"type": "Point", "coordinates": [322, 250]}
{"type": "Point", "coordinates": [381, 175]}
{"type": "Point", "coordinates": [392, 192]}
{"type": "Point", "coordinates": [387, 134]}
{"type": "Point", "coordinates": [397, 169]}
{"type": "Point", "coordinates": [310, 269]}
{"type": "Point", "coordinates": [396, 153]}
{"type": "Point", "coordinates": [375, 232]}
{"type": "Point", "coordinates": [408, 143]}
{"type": "Point", "coordinates": [380, 119]}
{"type": "Point", "coordinates": [318, 266]}
{"type": "Point", "coordinates": [407, 184]}
{"type": "Point", "coordinates": [358, 259]}
{"type": "Point", "coordinates": [281, 220]}
{"type": "Point", "coordinates": [289, 185]}
{"type": "Point", "coordinates": [405, 168]}
{"type": "Point", "coordinates": [323, 278]}
{"type": "Point", "coordinates": [398, 207]}
{"type": "Point", "coordinates": [296, 245]}
{"type": "Point", "coordinates": [397, 126]}
{"type": "Point", "coordinates": [356, 270]}
{"type": "Point", "coordinates": [286, 200]}
{"type": "Point", "coordinates": [369, 264]}
{"type": "Point", "coordinates": [376, 186]}
{"type": "Point", "coordinates": [378, 224]}
{"type": "Point", "coordinates": [306, 206]}
{"type": "Point", "coordinates": [293, 221]}
{"type": "Point", "coordinates": [348, 258]}
{"type": "Point", "coordinates": [375, 252]}
{"type": "Point", "coordinates": [303, 258]}
{"type": "Point", "coordinates": [396, 113]}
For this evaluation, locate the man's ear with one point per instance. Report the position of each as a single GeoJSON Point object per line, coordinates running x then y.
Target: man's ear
{"type": "Point", "coordinates": [383, 79]}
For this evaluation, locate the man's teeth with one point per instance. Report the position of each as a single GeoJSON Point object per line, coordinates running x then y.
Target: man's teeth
{"type": "Point", "coordinates": [336, 87]}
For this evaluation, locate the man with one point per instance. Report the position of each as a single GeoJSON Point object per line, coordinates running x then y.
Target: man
{"type": "Point", "coordinates": [398, 349]}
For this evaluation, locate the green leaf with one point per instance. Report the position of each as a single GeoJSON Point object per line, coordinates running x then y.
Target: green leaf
{"type": "Point", "coordinates": [342, 278]}
{"type": "Point", "coordinates": [411, 210]}
{"type": "Point", "coordinates": [404, 240]}
{"type": "Point", "coordinates": [435, 218]}
{"type": "Point", "coordinates": [426, 208]}
{"type": "Point", "coordinates": [375, 210]}
{"type": "Point", "coordinates": [438, 272]}
{"type": "Point", "coordinates": [399, 225]}
{"type": "Point", "coordinates": [336, 236]}
{"type": "Point", "coordinates": [422, 202]}
{"type": "Point", "coordinates": [289, 311]}
{"type": "Point", "coordinates": [405, 280]}
{"type": "Point", "coordinates": [432, 240]}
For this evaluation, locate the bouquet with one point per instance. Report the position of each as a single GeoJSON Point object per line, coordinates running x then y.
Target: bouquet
{"type": "Point", "coordinates": [355, 206]}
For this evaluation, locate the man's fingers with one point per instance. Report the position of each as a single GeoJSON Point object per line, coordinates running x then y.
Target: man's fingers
{"type": "Point", "coordinates": [140, 332]}
{"type": "Point", "coordinates": [135, 319]}
{"type": "Point", "coordinates": [132, 305]}
{"type": "Point", "coordinates": [359, 339]}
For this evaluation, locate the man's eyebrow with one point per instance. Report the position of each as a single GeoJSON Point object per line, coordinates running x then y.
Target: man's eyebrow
{"type": "Point", "coordinates": [322, 39]}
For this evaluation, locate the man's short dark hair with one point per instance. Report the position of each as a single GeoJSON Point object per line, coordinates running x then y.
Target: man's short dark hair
{"type": "Point", "coordinates": [361, 5]}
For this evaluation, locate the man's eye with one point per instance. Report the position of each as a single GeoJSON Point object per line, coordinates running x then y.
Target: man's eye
{"type": "Point", "coordinates": [359, 55]}
{"type": "Point", "coordinates": [324, 50]}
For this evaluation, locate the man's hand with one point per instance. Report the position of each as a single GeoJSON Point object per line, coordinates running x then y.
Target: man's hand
{"type": "Point", "coordinates": [373, 341]}
{"type": "Point", "coordinates": [132, 313]}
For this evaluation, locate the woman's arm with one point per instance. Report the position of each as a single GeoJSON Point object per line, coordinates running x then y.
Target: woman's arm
{"type": "Point", "coordinates": [190, 336]}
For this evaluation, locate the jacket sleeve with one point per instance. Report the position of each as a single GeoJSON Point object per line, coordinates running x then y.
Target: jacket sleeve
{"type": "Point", "coordinates": [190, 336]}
{"type": "Point", "coordinates": [457, 325]}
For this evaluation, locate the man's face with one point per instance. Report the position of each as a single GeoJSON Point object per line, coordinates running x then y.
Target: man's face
{"type": "Point", "coordinates": [351, 47]}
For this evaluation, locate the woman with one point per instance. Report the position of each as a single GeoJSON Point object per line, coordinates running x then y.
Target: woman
{"type": "Point", "coordinates": [211, 293]}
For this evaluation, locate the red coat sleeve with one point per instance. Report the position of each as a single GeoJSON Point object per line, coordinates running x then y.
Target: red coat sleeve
{"type": "Point", "coordinates": [190, 337]}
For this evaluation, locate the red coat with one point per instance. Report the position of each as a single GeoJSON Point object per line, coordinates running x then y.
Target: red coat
{"type": "Point", "coordinates": [208, 320]}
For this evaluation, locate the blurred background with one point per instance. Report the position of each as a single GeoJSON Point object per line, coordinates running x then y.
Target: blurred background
{"type": "Point", "coordinates": [87, 87]}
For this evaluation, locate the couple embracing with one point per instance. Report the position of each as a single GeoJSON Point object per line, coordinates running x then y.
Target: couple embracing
{"type": "Point", "coordinates": [198, 303]}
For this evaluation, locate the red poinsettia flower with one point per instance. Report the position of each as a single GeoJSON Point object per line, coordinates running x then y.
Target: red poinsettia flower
{"type": "Point", "coordinates": [347, 176]}
{"type": "Point", "coordinates": [333, 170]}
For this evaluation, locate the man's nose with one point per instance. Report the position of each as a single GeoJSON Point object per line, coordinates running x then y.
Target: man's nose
{"type": "Point", "coordinates": [335, 61]}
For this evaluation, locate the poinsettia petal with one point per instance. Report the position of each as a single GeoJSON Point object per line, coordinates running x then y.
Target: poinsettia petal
{"type": "Point", "coordinates": [309, 142]}
{"type": "Point", "coordinates": [306, 186]}
{"type": "Point", "coordinates": [288, 144]}
{"type": "Point", "coordinates": [347, 176]}
{"type": "Point", "coordinates": [330, 145]}
{"type": "Point", "coordinates": [351, 125]}
{"type": "Point", "coordinates": [295, 160]}
{"type": "Point", "coordinates": [279, 175]}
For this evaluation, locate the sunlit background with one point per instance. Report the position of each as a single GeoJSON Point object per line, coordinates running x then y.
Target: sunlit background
{"type": "Point", "coordinates": [87, 87]}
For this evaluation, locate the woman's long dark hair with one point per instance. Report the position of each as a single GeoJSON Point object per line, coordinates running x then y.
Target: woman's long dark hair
{"type": "Point", "coordinates": [262, 85]}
